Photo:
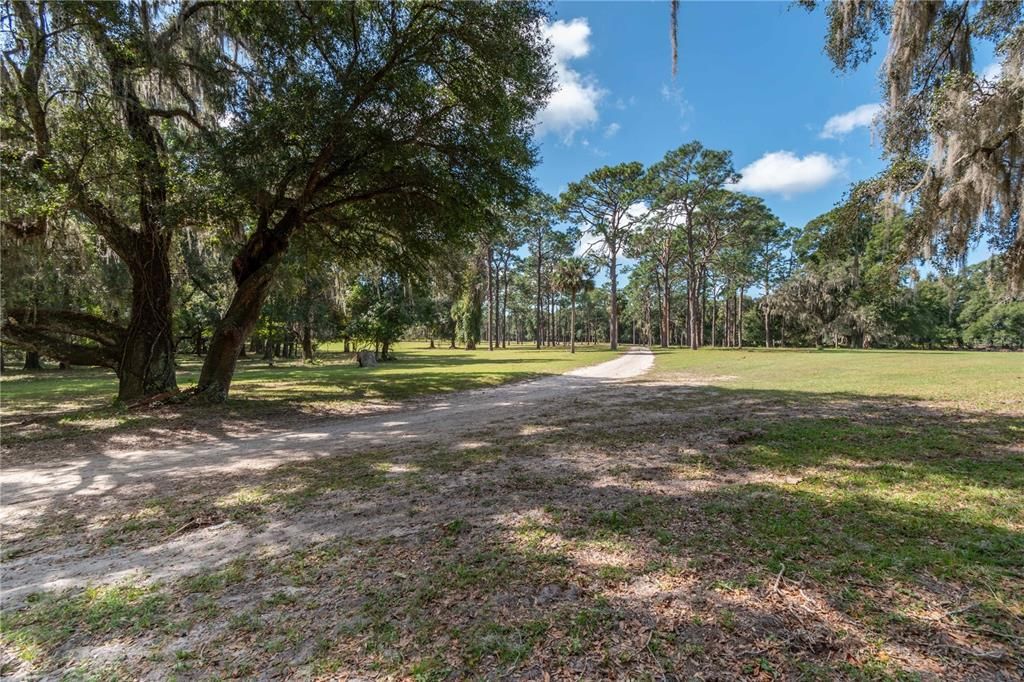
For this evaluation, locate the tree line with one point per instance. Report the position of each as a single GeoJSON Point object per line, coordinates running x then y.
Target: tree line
{"type": "Point", "coordinates": [376, 131]}
{"type": "Point", "coordinates": [229, 179]}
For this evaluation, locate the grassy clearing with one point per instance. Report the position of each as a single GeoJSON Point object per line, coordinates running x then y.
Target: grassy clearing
{"type": "Point", "coordinates": [975, 380]}
{"type": "Point", "coordinates": [707, 520]}
{"type": "Point", "coordinates": [53, 403]}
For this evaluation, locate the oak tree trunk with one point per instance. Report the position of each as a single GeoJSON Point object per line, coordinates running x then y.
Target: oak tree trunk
{"type": "Point", "coordinates": [307, 343]}
{"type": "Point", "coordinates": [146, 366]}
{"type": "Point", "coordinates": [254, 270]}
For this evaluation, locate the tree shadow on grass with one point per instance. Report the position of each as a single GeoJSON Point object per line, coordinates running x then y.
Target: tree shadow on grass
{"type": "Point", "coordinates": [636, 530]}
{"type": "Point", "coordinates": [287, 393]}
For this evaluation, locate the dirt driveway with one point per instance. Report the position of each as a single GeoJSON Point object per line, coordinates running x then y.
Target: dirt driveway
{"type": "Point", "coordinates": [609, 523]}
{"type": "Point", "coordinates": [31, 492]}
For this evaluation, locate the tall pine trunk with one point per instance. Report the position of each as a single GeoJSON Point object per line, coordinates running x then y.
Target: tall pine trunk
{"type": "Point", "coordinates": [504, 313]}
{"type": "Point", "coordinates": [613, 323]}
{"type": "Point", "coordinates": [540, 320]}
{"type": "Point", "coordinates": [490, 298]}
{"type": "Point", "coordinates": [692, 290]}
{"type": "Point", "coordinates": [714, 318]}
{"type": "Point", "coordinates": [666, 311]}
{"type": "Point", "coordinates": [739, 319]}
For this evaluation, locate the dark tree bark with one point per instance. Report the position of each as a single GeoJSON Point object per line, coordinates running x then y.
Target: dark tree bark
{"type": "Point", "coordinates": [540, 323]}
{"type": "Point", "coordinates": [307, 343]}
{"type": "Point", "coordinates": [32, 360]}
{"type": "Point", "coordinates": [666, 304]}
{"type": "Point", "coordinates": [254, 270]}
{"type": "Point", "coordinates": [613, 323]}
{"type": "Point", "coordinates": [142, 354]}
{"type": "Point", "coordinates": [49, 332]}
{"type": "Point", "coordinates": [147, 358]}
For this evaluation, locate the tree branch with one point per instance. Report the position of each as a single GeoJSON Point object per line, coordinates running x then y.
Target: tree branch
{"type": "Point", "coordinates": [47, 332]}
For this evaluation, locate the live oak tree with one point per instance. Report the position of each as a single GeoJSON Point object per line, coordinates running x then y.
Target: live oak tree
{"type": "Point", "coordinates": [857, 246]}
{"type": "Point", "coordinates": [103, 105]}
{"type": "Point", "coordinates": [606, 206]}
{"type": "Point", "coordinates": [953, 134]}
{"type": "Point", "coordinates": [467, 312]}
{"type": "Point", "coordinates": [392, 124]}
{"type": "Point", "coordinates": [381, 310]}
{"type": "Point", "coordinates": [56, 267]}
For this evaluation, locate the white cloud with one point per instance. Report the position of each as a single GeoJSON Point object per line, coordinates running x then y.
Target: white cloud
{"type": "Point", "coordinates": [569, 40]}
{"type": "Point", "coordinates": [612, 130]}
{"type": "Point", "coordinates": [573, 104]}
{"type": "Point", "coordinates": [592, 243]}
{"type": "Point", "coordinates": [673, 94]}
{"type": "Point", "coordinates": [841, 124]}
{"type": "Point", "coordinates": [227, 120]}
{"type": "Point", "coordinates": [786, 173]}
{"type": "Point", "coordinates": [992, 72]}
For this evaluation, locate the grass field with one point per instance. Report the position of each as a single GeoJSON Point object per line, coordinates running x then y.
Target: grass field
{"type": "Point", "coordinates": [750, 514]}
{"type": "Point", "coordinates": [61, 404]}
{"type": "Point", "coordinates": [977, 380]}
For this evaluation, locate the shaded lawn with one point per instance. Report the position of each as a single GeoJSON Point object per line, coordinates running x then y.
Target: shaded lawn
{"type": "Point", "coordinates": [656, 529]}
{"type": "Point", "coordinates": [52, 403]}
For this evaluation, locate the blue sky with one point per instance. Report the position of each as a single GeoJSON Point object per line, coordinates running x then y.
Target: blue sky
{"type": "Point", "coordinates": [752, 79]}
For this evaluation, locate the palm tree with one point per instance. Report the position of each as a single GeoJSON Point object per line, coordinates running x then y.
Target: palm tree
{"type": "Point", "coordinates": [573, 276]}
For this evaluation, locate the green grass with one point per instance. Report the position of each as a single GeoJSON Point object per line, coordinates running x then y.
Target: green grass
{"type": "Point", "coordinates": [640, 534]}
{"type": "Point", "coordinates": [879, 471]}
{"type": "Point", "coordinates": [51, 619]}
{"type": "Point", "coordinates": [82, 399]}
{"type": "Point", "coordinates": [977, 379]}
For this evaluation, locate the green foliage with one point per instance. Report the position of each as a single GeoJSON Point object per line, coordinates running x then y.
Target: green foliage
{"type": "Point", "coordinates": [300, 140]}
{"type": "Point", "coordinates": [573, 275]}
{"type": "Point", "coordinates": [1002, 326]}
{"type": "Point", "coordinates": [468, 316]}
{"type": "Point", "coordinates": [952, 135]}
{"type": "Point", "coordinates": [379, 310]}
{"type": "Point", "coordinates": [854, 287]}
